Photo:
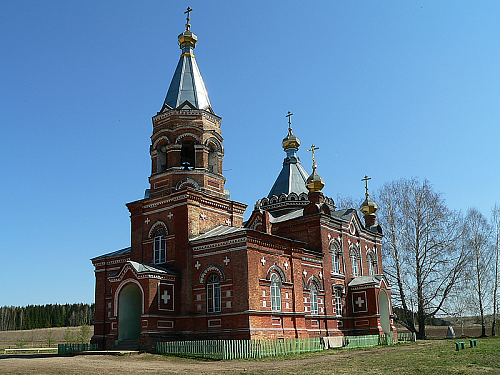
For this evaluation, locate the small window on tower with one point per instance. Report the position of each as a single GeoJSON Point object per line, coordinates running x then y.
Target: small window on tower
{"type": "Point", "coordinates": [212, 160]}
{"type": "Point", "coordinates": [161, 161]}
{"type": "Point", "coordinates": [159, 246]}
{"type": "Point", "coordinates": [187, 155]}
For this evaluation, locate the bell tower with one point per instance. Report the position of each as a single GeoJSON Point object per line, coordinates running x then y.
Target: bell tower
{"type": "Point", "coordinates": [186, 144]}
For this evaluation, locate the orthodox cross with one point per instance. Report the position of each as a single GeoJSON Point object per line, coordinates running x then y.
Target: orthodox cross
{"type": "Point", "coordinates": [290, 114]}
{"type": "Point", "coordinates": [366, 183]}
{"type": "Point", "coordinates": [313, 148]}
{"type": "Point", "coordinates": [188, 25]}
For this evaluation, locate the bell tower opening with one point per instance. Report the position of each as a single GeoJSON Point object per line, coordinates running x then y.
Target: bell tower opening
{"type": "Point", "coordinates": [161, 161]}
{"type": "Point", "coordinates": [188, 155]}
{"type": "Point", "coordinates": [213, 160]}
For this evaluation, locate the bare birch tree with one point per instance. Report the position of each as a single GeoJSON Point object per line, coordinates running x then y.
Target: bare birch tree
{"type": "Point", "coordinates": [423, 256]}
{"type": "Point", "coordinates": [496, 248]}
{"type": "Point", "coordinates": [477, 237]}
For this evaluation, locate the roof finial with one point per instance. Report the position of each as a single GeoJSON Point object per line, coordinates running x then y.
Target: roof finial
{"type": "Point", "coordinates": [290, 114]}
{"type": "Point", "coordinates": [188, 25]}
{"type": "Point", "coordinates": [366, 184]}
{"type": "Point", "coordinates": [313, 148]}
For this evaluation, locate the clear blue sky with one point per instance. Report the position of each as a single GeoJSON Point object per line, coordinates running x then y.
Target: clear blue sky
{"type": "Point", "coordinates": [386, 88]}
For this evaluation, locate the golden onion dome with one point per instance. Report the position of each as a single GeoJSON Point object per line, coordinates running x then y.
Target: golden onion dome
{"type": "Point", "coordinates": [368, 207]}
{"type": "Point", "coordinates": [187, 38]}
{"type": "Point", "coordinates": [315, 182]}
{"type": "Point", "coordinates": [291, 141]}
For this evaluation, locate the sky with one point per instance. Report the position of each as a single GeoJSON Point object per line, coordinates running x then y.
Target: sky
{"type": "Point", "coordinates": [388, 89]}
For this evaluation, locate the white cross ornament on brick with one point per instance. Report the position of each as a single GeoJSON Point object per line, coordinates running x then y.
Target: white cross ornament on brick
{"type": "Point", "coordinates": [226, 261]}
{"type": "Point", "coordinates": [197, 265]}
{"type": "Point", "coordinates": [286, 265]}
{"type": "Point", "coordinates": [203, 216]}
{"type": "Point", "coordinates": [359, 302]}
{"type": "Point", "coordinates": [170, 215]}
{"type": "Point", "coordinates": [147, 221]}
{"type": "Point", "coordinates": [228, 222]}
{"type": "Point", "coordinates": [263, 261]}
{"type": "Point", "coordinates": [165, 297]}
{"type": "Point", "coordinates": [304, 273]}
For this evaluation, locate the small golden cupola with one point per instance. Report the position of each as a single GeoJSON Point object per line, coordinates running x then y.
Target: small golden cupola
{"type": "Point", "coordinates": [315, 182]}
{"type": "Point", "coordinates": [290, 142]}
{"type": "Point", "coordinates": [368, 207]}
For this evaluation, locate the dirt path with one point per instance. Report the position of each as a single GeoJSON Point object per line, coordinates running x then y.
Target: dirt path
{"type": "Point", "coordinates": [156, 364]}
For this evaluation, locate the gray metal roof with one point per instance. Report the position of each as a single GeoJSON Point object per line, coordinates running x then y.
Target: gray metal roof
{"type": "Point", "coordinates": [292, 177]}
{"type": "Point", "coordinates": [218, 230]}
{"type": "Point", "coordinates": [288, 216]}
{"type": "Point", "coordinates": [344, 214]}
{"type": "Point", "coordinates": [366, 280]}
{"type": "Point", "coordinates": [143, 267]}
{"type": "Point", "coordinates": [114, 253]}
{"type": "Point", "coordinates": [187, 84]}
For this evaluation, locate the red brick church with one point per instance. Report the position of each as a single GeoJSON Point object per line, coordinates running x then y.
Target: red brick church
{"type": "Point", "coordinates": [298, 267]}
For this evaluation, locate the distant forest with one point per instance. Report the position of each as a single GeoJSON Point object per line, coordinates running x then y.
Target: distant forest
{"type": "Point", "coordinates": [46, 316]}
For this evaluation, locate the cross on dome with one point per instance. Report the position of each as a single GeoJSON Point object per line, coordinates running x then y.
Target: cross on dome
{"type": "Point", "coordinates": [188, 11]}
{"type": "Point", "coordinates": [366, 179]}
{"type": "Point", "coordinates": [290, 114]}
{"type": "Point", "coordinates": [312, 149]}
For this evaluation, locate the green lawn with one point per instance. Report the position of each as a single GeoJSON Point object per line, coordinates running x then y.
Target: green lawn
{"type": "Point", "coordinates": [424, 357]}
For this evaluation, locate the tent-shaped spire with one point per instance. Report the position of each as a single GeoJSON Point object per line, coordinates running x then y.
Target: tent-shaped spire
{"type": "Point", "coordinates": [293, 176]}
{"type": "Point", "coordinates": [187, 83]}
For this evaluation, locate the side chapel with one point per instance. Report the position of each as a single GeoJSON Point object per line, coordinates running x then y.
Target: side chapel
{"type": "Point", "coordinates": [298, 267]}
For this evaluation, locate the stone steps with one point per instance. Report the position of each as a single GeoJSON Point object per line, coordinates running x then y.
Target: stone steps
{"type": "Point", "coordinates": [127, 344]}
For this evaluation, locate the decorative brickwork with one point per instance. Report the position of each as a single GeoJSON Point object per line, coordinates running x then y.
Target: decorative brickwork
{"type": "Point", "coordinates": [220, 278]}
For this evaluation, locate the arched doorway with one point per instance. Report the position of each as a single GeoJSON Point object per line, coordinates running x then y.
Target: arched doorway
{"type": "Point", "coordinates": [383, 309]}
{"type": "Point", "coordinates": [129, 313]}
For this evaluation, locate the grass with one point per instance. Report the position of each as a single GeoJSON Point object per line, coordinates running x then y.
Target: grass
{"type": "Point", "coordinates": [424, 357]}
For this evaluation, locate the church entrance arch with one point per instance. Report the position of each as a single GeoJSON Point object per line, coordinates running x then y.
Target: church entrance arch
{"type": "Point", "coordinates": [383, 309]}
{"type": "Point", "coordinates": [129, 313]}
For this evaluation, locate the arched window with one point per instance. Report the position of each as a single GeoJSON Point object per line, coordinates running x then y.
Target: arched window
{"type": "Point", "coordinates": [314, 299]}
{"type": "Point", "coordinates": [338, 301]}
{"type": "Point", "coordinates": [336, 262]}
{"type": "Point", "coordinates": [275, 292]}
{"type": "Point", "coordinates": [354, 263]}
{"type": "Point", "coordinates": [159, 246]}
{"type": "Point", "coordinates": [213, 293]}
{"type": "Point", "coordinates": [371, 265]}
{"type": "Point", "coordinates": [188, 155]}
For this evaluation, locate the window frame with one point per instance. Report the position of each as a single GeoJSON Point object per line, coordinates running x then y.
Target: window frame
{"type": "Point", "coordinates": [354, 263]}
{"type": "Point", "coordinates": [338, 302]}
{"type": "Point", "coordinates": [371, 265]}
{"type": "Point", "coordinates": [313, 299]}
{"type": "Point", "coordinates": [159, 246]}
{"type": "Point", "coordinates": [213, 293]}
{"type": "Point", "coordinates": [275, 292]}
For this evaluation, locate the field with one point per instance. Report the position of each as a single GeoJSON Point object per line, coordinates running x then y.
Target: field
{"type": "Point", "coordinates": [423, 357]}
{"type": "Point", "coordinates": [40, 338]}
